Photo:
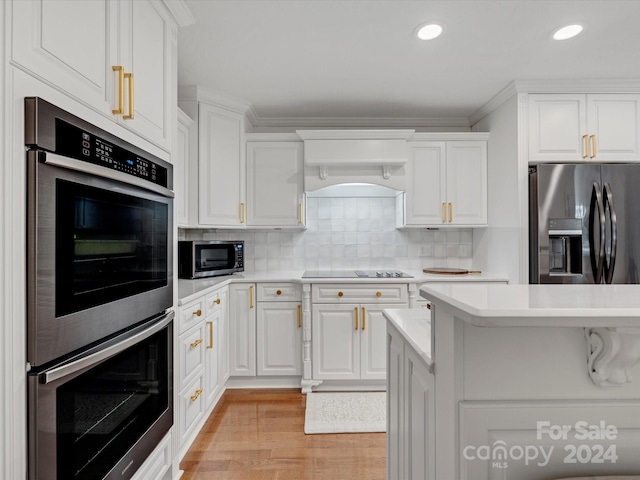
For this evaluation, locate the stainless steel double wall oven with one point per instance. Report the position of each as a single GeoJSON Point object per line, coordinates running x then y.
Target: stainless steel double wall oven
{"type": "Point", "coordinates": [100, 292]}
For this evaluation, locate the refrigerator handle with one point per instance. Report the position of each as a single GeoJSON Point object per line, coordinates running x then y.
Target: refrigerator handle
{"type": "Point", "coordinates": [597, 261]}
{"type": "Point", "coordinates": [610, 265]}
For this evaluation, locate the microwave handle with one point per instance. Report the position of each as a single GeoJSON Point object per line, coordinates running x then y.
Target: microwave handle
{"type": "Point", "coordinates": [84, 167]}
{"type": "Point", "coordinates": [105, 353]}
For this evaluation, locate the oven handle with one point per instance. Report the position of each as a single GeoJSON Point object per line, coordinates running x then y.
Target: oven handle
{"type": "Point", "coordinates": [103, 354]}
{"type": "Point", "coordinates": [73, 164]}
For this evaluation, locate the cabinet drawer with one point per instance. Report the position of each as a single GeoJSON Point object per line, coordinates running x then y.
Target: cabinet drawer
{"type": "Point", "coordinates": [192, 354]}
{"type": "Point", "coordinates": [191, 314]}
{"type": "Point", "coordinates": [347, 293]}
{"type": "Point", "coordinates": [279, 292]}
{"type": "Point", "coordinates": [191, 408]}
{"type": "Point", "coordinates": [213, 302]}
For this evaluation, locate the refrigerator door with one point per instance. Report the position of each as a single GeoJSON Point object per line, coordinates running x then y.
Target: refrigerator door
{"type": "Point", "coordinates": [622, 227]}
{"type": "Point", "coordinates": [560, 212]}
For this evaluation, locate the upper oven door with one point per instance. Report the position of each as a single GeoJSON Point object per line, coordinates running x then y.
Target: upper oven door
{"type": "Point", "coordinates": [100, 255]}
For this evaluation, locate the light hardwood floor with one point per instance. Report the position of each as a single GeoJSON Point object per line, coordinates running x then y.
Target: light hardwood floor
{"type": "Point", "coordinates": [258, 435]}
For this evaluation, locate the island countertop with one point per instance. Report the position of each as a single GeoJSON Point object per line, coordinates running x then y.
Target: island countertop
{"type": "Point", "coordinates": [493, 305]}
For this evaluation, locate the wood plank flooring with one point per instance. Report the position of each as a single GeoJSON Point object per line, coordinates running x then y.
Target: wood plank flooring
{"type": "Point", "coordinates": [258, 435]}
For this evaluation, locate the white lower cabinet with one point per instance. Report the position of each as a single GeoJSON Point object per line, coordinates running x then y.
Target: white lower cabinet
{"type": "Point", "coordinates": [348, 339]}
{"type": "Point", "coordinates": [200, 360]}
{"type": "Point", "coordinates": [158, 465]}
{"type": "Point", "coordinates": [410, 412]}
{"type": "Point", "coordinates": [242, 330]}
{"type": "Point", "coordinates": [266, 329]}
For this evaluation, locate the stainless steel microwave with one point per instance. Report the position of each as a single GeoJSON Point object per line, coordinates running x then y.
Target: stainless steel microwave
{"type": "Point", "coordinates": [199, 259]}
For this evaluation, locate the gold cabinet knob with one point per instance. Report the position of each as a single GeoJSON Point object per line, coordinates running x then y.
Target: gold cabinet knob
{"type": "Point", "coordinates": [198, 313]}
{"type": "Point", "coordinates": [278, 292]}
{"type": "Point", "coordinates": [340, 294]}
{"type": "Point", "coordinates": [196, 343]}
{"type": "Point", "coordinates": [378, 294]}
{"type": "Point", "coordinates": [217, 301]}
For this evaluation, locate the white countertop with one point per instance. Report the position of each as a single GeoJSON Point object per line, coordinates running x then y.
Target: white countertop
{"type": "Point", "coordinates": [189, 289]}
{"type": "Point", "coordinates": [414, 324]}
{"type": "Point", "coordinates": [488, 305]}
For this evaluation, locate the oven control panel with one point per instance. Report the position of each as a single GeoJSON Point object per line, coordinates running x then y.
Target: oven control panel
{"type": "Point", "coordinates": [77, 143]}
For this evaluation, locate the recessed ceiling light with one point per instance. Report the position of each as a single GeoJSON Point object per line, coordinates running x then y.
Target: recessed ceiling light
{"type": "Point", "coordinates": [567, 32]}
{"type": "Point", "coordinates": [429, 32]}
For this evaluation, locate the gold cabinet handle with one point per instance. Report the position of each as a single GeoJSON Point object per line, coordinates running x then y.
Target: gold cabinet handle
{"type": "Point", "coordinates": [299, 316]}
{"type": "Point", "coordinates": [593, 146]}
{"type": "Point", "coordinates": [251, 296]}
{"type": "Point", "coordinates": [120, 70]}
{"type": "Point", "coordinates": [195, 396]}
{"type": "Point", "coordinates": [444, 212]}
{"type": "Point", "coordinates": [428, 306]}
{"type": "Point", "coordinates": [340, 294]}
{"type": "Point", "coordinates": [197, 313]}
{"type": "Point", "coordinates": [378, 294]}
{"type": "Point", "coordinates": [210, 325]}
{"type": "Point", "coordinates": [196, 343]}
{"type": "Point", "coordinates": [356, 310]}
{"type": "Point", "coordinates": [364, 318]}
{"type": "Point", "coordinates": [585, 140]}
{"type": "Point", "coordinates": [278, 292]}
{"type": "Point", "coordinates": [450, 212]}
{"type": "Point", "coordinates": [242, 212]}
{"type": "Point", "coordinates": [129, 76]}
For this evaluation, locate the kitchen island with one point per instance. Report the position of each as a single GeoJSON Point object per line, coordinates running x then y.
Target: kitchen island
{"type": "Point", "coordinates": [526, 382]}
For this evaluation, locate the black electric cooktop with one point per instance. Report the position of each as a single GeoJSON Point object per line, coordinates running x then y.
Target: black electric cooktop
{"type": "Point", "coordinates": [355, 274]}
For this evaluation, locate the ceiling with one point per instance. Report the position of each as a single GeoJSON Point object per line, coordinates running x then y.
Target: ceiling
{"type": "Point", "coordinates": [350, 61]}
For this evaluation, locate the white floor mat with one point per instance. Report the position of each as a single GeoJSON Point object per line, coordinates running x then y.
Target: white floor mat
{"type": "Point", "coordinates": [345, 412]}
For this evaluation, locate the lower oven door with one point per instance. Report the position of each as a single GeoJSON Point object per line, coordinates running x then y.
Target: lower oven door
{"type": "Point", "coordinates": [101, 414]}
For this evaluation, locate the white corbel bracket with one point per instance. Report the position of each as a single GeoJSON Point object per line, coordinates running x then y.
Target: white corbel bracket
{"type": "Point", "coordinates": [386, 172]}
{"type": "Point", "coordinates": [323, 172]}
{"type": "Point", "coordinates": [611, 353]}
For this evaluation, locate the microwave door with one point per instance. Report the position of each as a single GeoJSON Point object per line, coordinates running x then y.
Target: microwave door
{"type": "Point", "coordinates": [563, 194]}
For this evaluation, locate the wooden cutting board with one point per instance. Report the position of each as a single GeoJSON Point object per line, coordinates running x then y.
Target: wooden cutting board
{"type": "Point", "coordinates": [449, 271]}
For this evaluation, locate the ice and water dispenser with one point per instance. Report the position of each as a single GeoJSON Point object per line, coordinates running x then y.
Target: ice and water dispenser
{"type": "Point", "coordinates": [565, 246]}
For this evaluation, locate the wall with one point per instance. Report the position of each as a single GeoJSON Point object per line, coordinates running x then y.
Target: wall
{"type": "Point", "coordinates": [498, 246]}
{"type": "Point", "coordinates": [348, 233]}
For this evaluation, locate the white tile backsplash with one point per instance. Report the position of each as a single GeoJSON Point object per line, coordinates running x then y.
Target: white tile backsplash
{"type": "Point", "coordinates": [347, 233]}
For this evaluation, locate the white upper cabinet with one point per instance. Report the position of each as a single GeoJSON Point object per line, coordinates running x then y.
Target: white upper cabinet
{"type": "Point", "coordinates": [221, 163]}
{"type": "Point", "coordinates": [74, 46]}
{"type": "Point", "coordinates": [446, 184]}
{"type": "Point", "coordinates": [181, 169]}
{"type": "Point", "coordinates": [578, 127]}
{"type": "Point", "coordinates": [275, 184]}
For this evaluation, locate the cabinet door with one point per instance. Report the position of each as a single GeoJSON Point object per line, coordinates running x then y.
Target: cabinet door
{"type": "Point", "coordinates": [425, 184]}
{"type": "Point", "coordinates": [274, 184]}
{"type": "Point", "coordinates": [180, 159]}
{"type": "Point", "coordinates": [419, 416]}
{"type": "Point", "coordinates": [191, 355]}
{"type": "Point", "coordinates": [395, 421]}
{"type": "Point", "coordinates": [614, 122]}
{"type": "Point", "coordinates": [335, 342]}
{"type": "Point", "coordinates": [223, 336]}
{"type": "Point", "coordinates": [71, 45]}
{"type": "Point", "coordinates": [222, 167]}
{"type": "Point", "coordinates": [242, 330]}
{"type": "Point", "coordinates": [211, 369]}
{"type": "Point", "coordinates": [148, 47]}
{"type": "Point", "coordinates": [373, 330]}
{"type": "Point", "coordinates": [557, 124]}
{"type": "Point", "coordinates": [467, 183]}
{"type": "Point", "coordinates": [279, 338]}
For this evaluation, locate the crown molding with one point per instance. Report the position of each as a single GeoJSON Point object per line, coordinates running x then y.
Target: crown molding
{"type": "Point", "coordinates": [354, 134]}
{"type": "Point", "coordinates": [195, 93]}
{"type": "Point", "coordinates": [180, 11]}
{"type": "Point", "coordinates": [594, 85]}
{"type": "Point", "coordinates": [356, 122]}
{"type": "Point", "coordinates": [447, 136]}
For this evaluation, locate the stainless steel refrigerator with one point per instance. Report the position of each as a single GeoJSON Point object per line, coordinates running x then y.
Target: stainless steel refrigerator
{"type": "Point", "coordinates": [584, 223]}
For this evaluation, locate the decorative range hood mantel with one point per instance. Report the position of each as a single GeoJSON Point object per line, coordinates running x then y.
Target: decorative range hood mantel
{"type": "Point", "coordinates": [335, 156]}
